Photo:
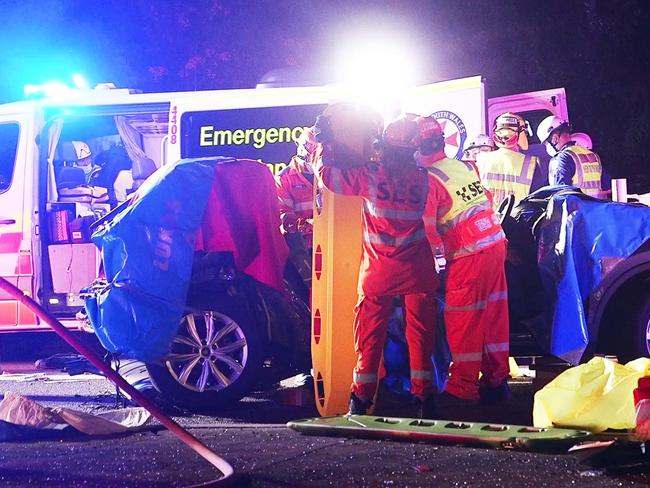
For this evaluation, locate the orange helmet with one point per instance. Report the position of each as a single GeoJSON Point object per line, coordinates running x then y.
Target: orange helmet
{"type": "Point", "coordinates": [431, 136]}
{"type": "Point", "coordinates": [403, 132]}
{"type": "Point", "coordinates": [429, 128]}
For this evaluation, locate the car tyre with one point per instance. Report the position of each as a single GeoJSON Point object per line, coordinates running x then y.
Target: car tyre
{"type": "Point", "coordinates": [217, 356]}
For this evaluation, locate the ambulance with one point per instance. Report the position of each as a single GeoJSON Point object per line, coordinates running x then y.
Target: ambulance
{"type": "Point", "coordinates": [44, 199]}
{"type": "Point", "coordinates": [47, 201]}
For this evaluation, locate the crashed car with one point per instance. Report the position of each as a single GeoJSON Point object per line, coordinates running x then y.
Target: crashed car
{"type": "Point", "coordinates": [197, 283]}
{"type": "Point", "coordinates": [578, 275]}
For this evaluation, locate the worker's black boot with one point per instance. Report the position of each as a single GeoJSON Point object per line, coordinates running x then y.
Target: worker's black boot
{"type": "Point", "coordinates": [358, 406]}
{"type": "Point", "coordinates": [497, 394]}
{"type": "Point", "coordinates": [428, 408]}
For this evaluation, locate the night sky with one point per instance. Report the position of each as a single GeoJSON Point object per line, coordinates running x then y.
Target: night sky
{"type": "Point", "coordinates": [597, 50]}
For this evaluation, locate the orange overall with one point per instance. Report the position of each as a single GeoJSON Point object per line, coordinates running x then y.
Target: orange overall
{"type": "Point", "coordinates": [396, 260]}
{"type": "Point", "coordinates": [295, 194]}
{"type": "Point", "coordinates": [476, 305]}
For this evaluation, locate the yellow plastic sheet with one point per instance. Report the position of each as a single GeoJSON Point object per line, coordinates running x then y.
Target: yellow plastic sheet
{"type": "Point", "coordinates": [596, 396]}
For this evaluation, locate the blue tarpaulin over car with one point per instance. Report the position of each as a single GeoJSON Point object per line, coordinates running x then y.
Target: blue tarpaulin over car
{"type": "Point", "coordinates": [576, 238]}
{"type": "Point", "coordinates": [147, 256]}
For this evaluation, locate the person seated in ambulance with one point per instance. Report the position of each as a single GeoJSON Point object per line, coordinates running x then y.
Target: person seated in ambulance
{"type": "Point", "coordinates": [77, 183]}
{"type": "Point", "coordinates": [85, 161]}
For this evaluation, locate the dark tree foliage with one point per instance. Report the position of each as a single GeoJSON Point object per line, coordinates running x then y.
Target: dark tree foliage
{"type": "Point", "coordinates": [596, 49]}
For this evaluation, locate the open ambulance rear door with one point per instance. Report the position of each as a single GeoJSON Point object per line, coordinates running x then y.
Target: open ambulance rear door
{"type": "Point", "coordinates": [18, 211]}
{"type": "Point", "coordinates": [533, 107]}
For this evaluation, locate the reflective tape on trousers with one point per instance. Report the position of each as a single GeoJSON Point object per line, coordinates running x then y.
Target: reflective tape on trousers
{"type": "Point", "coordinates": [364, 378]}
{"type": "Point", "coordinates": [480, 305]}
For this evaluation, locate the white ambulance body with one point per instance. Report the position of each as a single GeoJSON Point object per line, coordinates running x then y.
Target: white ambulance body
{"type": "Point", "coordinates": [51, 258]}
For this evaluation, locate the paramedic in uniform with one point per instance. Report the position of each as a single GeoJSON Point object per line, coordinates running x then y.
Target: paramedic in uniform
{"type": "Point", "coordinates": [396, 258]}
{"type": "Point", "coordinates": [85, 161]}
{"type": "Point", "coordinates": [571, 164]}
{"type": "Point", "coordinates": [295, 188]}
{"type": "Point", "coordinates": [507, 171]}
{"type": "Point", "coordinates": [476, 296]}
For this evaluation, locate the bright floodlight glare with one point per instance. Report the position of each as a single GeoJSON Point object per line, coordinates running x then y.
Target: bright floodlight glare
{"type": "Point", "coordinates": [80, 82]}
{"type": "Point", "coordinates": [378, 72]}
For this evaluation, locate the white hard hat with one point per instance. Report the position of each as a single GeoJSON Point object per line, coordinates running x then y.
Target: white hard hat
{"type": "Point", "coordinates": [582, 139]}
{"type": "Point", "coordinates": [548, 125]}
{"type": "Point", "coordinates": [480, 140]}
{"type": "Point", "coordinates": [81, 149]}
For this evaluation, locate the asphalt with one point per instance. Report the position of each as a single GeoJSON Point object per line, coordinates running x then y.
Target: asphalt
{"type": "Point", "coordinates": [253, 437]}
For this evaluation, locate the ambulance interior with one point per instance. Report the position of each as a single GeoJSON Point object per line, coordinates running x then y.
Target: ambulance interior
{"type": "Point", "coordinates": [125, 150]}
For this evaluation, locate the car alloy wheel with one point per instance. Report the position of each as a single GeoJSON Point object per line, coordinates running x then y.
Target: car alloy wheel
{"type": "Point", "coordinates": [209, 353]}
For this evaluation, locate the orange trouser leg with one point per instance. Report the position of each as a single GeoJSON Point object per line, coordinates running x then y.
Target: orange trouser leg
{"type": "Point", "coordinates": [370, 330]}
{"type": "Point", "coordinates": [420, 316]}
{"type": "Point", "coordinates": [496, 346]}
{"type": "Point", "coordinates": [475, 321]}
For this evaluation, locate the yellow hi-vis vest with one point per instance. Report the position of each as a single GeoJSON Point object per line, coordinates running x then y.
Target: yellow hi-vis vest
{"type": "Point", "coordinates": [504, 172]}
{"type": "Point", "coordinates": [588, 170]}
{"type": "Point", "coordinates": [470, 225]}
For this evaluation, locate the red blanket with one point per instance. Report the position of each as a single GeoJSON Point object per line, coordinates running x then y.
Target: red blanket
{"type": "Point", "coordinates": [242, 216]}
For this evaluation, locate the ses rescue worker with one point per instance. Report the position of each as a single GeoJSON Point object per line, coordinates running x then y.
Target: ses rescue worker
{"type": "Point", "coordinates": [476, 296]}
{"type": "Point", "coordinates": [571, 164]}
{"type": "Point", "coordinates": [396, 258]}
{"type": "Point", "coordinates": [295, 186]}
{"type": "Point", "coordinates": [507, 170]}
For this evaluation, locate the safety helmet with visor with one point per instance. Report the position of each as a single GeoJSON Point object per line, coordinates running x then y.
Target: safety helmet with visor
{"type": "Point", "coordinates": [545, 131]}
{"type": "Point", "coordinates": [510, 130]}
{"type": "Point", "coordinates": [481, 143]}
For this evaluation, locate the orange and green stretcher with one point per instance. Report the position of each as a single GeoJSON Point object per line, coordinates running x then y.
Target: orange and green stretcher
{"type": "Point", "coordinates": [443, 431]}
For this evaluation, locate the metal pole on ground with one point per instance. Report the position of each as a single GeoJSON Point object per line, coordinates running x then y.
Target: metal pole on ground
{"type": "Point", "coordinates": [195, 444]}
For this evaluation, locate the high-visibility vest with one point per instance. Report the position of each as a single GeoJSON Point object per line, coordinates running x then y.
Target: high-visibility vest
{"type": "Point", "coordinates": [588, 170]}
{"type": "Point", "coordinates": [505, 172]}
{"type": "Point", "coordinates": [470, 224]}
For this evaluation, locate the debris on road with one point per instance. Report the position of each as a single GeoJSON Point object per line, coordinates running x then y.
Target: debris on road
{"type": "Point", "coordinates": [20, 411]}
